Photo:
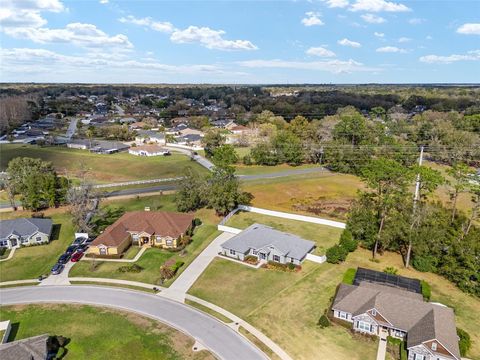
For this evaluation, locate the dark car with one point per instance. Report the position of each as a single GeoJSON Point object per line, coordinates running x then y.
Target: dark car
{"type": "Point", "coordinates": [80, 241]}
{"type": "Point", "coordinates": [71, 249]}
{"type": "Point", "coordinates": [63, 259]}
{"type": "Point", "coordinates": [57, 269]}
{"type": "Point", "coordinates": [77, 256]}
{"type": "Point", "coordinates": [82, 248]}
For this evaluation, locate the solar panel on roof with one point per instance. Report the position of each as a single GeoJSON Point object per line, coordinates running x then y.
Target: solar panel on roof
{"type": "Point", "coordinates": [382, 278]}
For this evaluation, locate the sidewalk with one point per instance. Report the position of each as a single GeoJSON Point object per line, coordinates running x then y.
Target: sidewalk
{"type": "Point", "coordinates": [178, 289]}
{"type": "Point", "coordinates": [382, 346]}
{"type": "Point", "coordinates": [10, 255]}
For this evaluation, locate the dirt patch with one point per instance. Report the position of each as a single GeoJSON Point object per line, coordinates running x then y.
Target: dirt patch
{"type": "Point", "coordinates": [320, 206]}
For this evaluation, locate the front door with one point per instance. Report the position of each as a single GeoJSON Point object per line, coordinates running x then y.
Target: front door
{"type": "Point", "coordinates": [263, 256]}
{"type": "Point", "coordinates": [13, 242]}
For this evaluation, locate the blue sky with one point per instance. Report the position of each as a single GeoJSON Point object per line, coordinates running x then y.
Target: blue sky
{"type": "Point", "coordinates": [324, 41]}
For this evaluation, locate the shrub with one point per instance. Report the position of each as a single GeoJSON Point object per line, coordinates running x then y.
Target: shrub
{"type": "Point", "coordinates": [336, 254]}
{"type": "Point", "coordinates": [247, 160]}
{"type": "Point", "coordinates": [197, 222]}
{"type": "Point", "coordinates": [130, 268]}
{"type": "Point", "coordinates": [291, 266]}
{"type": "Point", "coordinates": [323, 322]}
{"type": "Point", "coordinates": [464, 342]}
{"type": "Point", "coordinates": [347, 241]}
{"type": "Point", "coordinates": [178, 265]}
{"type": "Point", "coordinates": [424, 263]}
{"type": "Point", "coordinates": [349, 276]}
{"type": "Point", "coordinates": [250, 259]}
{"type": "Point", "coordinates": [426, 290]}
{"type": "Point", "coordinates": [390, 270]}
{"type": "Point", "coordinates": [2, 250]}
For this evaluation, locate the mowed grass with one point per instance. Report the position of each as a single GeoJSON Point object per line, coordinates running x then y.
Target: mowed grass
{"type": "Point", "coordinates": [100, 333]}
{"type": "Point", "coordinates": [102, 168]}
{"type": "Point", "coordinates": [323, 236]}
{"type": "Point", "coordinates": [152, 258]}
{"type": "Point", "coordinates": [286, 306]}
{"type": "Point", "coordinates": [260, 169]}
{"type": "Point", "coordinates": [33, 261]}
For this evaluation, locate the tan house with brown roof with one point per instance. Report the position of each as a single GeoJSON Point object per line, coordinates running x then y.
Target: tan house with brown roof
{"type": "Point", "coordinates": [142, 228]}
{"type": "Point", "coordinates": [428, 328]}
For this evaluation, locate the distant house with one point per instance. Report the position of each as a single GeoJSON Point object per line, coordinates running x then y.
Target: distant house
{"type": "Point", "coordinates": [32, 348]}
{"type": "Point", "coordinates": [148, 150]}
{"type": "Point", "coordinates": [24, 232]}
{"type": "Point", "coordinates": [149, 136]}
{"type": "Point", "coordinates": [176, 129]}
{"type": "Point", "coordinates": [384, 310]}
{"type": "Point", "coordinates": [142, 228]}
{"type": "Point", "coordinates": [268, 244]}
{"type": "Point", "coordinates": [192, 139]}
{"type": "Point", "coordinates": [222, 124]}
{"type": "Point", "coordinates": [239, 129]}
{"type": "Point", "coordinates": [98, 146]}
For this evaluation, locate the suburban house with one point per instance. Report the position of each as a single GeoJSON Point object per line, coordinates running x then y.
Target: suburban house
{"type": "Point", "coordinates": [239, 129]}
{"type": "Point", "coordinates": [23, 232]}
{"type": "Point", "coordinates": [381, 309]}
{"type": "Point", "coordinates": [98, 146]}
{"type": "Point", "coordinates": [32, 348]}
{"type": "Point", "coordinates": [148, 150]}
{"type": "Point", "coordinates": [142, 228]}
{"type": "Point", "coordinates": [267, 244]}
{"type": "Point", "coordinates": [190, 140]}
{"type": "Point", "coordinates": [149, 136]}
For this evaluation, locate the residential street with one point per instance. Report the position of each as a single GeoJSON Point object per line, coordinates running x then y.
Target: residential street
{"type": "Point", "coordinates": [211, 333]}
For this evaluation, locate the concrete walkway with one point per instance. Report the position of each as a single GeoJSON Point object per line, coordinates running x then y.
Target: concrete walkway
{"type": "Point", "coordinates": [382, 346]}
{"type": "Point", "coordinates": [19, 282]}
{"type": "Point", "coordinates": [116, 281]}
{"type": "Point", "coordinates": [179, 288]}
{"type": "Point", "coordinates": [139, 254]}
{"type": "Point", "coordinates": [10, 254]}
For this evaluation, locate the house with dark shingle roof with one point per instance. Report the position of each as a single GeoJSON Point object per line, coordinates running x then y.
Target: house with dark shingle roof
{"type": "Point", "coordinates": [377, 309]}
{"type": "Point", "coordinates": [32, 348]}
{"type": "Point", "coordinates": [24, 232]}
{"type": "Point", "coordinates": [267, 244]}
{"type": "Point", "coordinates": [142, 228]}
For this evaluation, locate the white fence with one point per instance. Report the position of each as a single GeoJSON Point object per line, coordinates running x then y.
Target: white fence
{"type": "Point", "coordinates": [285, 215]}
{"type": "Point", "coordinates": [229, 229]}
{"type": "Point", "coordinates": [137, 182]}
{"type": "Point", "coordinates": [316, 258]}
{"type": "Point", "coordinates": [184, 147]}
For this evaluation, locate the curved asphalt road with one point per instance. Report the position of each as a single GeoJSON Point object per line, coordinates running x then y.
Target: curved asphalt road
{"type": "Point", "coordinates": [220, 339]}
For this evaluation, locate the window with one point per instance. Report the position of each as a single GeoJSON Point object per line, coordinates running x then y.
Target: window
{"type": "Point", "coordinates": [39, 239]}
{"type": "Point", "coordinates": [276, 258]}
{"type": "Point", "coordinates": [374, 312]}
{"type": "Point", "coordinates": [364, 326]}
{"type": "Point", "coordinates": [4, 243]}
{"type": "Point", "coordinates": [254, 252]}
{"type": "Point", "coordinates": [159, 238]}
{"type": "Point", "coordinates": [169, 242]}
{"type": "Point", "coordinates": [232, 252]}
{"type": "Point", "coordinates": [24, 240]}
{"type": "Point", "coordinates": [135, 237]}
{"type": "Point", "coordinates": [434, 346]}
{"type": "Point", "coordinates": [292, 260]}
{"type": "Point", "coordinates": [419, 357]}
{"type": "Point", "coordinates": [343, 315]}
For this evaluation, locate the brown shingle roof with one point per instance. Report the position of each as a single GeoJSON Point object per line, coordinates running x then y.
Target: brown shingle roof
{"type": "Point", "coordinates": [32, 348]}
{"type": "Point", "coordinates": [152, 222]}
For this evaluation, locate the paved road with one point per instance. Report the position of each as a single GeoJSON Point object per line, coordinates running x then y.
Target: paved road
{"type": "Point", "coordinates": [72, 128]}
{"type": "Point", "coordinates": [211, 333]}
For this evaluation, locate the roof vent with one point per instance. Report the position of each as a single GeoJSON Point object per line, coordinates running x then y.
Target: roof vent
{"type": "Point", "coordinates": [147, 208]}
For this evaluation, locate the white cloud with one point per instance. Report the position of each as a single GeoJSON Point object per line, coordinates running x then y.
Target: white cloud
{"type": "Point", "coordinates": [473, 55]}
{"type": "Point", "coordinates": [378, 6]}
{"type": "Point", "coordinates": [332, 66]}
{"type": "Point", "coordinates": [312, 18]}
{"type": "Point", "coordinates": [416, 21]}
{"type": "Point", "coordinates": [320, 51]}
{"type": "Point", "coordinates": [346, 42]}
{"type": "Point", "coordinates": [161, 26]}
{"type": "Point", "coordinates": [27, 13]}
{"type": "Point", "coordinates": [379, 34]}
{"type": "Point", "coordinates": [103, 1]}
{"type": "Point", "coordinates": [469, 29]}
{"type": "Point", "coordinates": [391, 49]}
{"type": "Point", "coordinates": [337, 3]}
{"type": "Point", "coordinates": [404, 39]}
{"type": "Point", "coordinates": [86, 35]}
{"type": "Point", "coordinates": [373, 19]}
{"type": "Point", "coordinates": [209, 38]}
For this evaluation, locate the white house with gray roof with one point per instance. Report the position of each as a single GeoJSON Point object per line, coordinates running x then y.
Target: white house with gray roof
{"type": "Point", "coordinates": [428, 328]}
{"type": "Point", "coordinates": [24, 232]}
{"type": "Point", "coordinates": [267, 244]}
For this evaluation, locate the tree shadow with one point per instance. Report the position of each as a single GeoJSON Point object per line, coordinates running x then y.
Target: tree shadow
{"type": "Point", "coordinates": [13, 331]}
{"type": "Point", "coordinates": [55, 235]}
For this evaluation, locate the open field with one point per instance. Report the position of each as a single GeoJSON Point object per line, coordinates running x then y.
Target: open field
{"type": "Point", "coordinates": [99, 333]}
{"type": "Point", "coordinates": [323, 236]}
{"type": "Point", "coordinates": [33, 261]}
{"type": "Point", "coordinates": [152, 258]}
{"type": "Point", "coordinates": [286, 306]}
{"type": "Point", "coordinates": [102, 168]}
{"type": "Point", "coordinates": [260, 169]}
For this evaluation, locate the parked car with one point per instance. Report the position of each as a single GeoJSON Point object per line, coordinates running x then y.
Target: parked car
{"type": "Point", "coordinates": [63, 259]}
{"type": "Point", "coordinates": [77, 256]}
{"type": "Point", "coordinates": [80, 240]}
{"type": "Point", "coordinates": [57, 269]}
{"type": "Point", "coordinates": [82, 248]}
{"type": "Point", "coordinates": [71, 249]}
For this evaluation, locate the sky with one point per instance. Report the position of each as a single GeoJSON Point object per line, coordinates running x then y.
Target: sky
{"type": "Point", "coordinates": [240, 42]}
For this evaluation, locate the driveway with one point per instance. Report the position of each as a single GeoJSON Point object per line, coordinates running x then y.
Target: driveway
{"type": "Point", "coordinates": [188, 277]}
{"type": "Point", "coordinates": [60, 279]}
{"type": "Point", "coordinates": [219, 338]}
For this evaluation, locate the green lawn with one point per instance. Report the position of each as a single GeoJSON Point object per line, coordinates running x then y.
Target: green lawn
{"type": "Point", "coordinates": [286, 306]}
{"type": "Point", "coordinates": [31, 262]}
{"type": "Point", "coordinates": [152, 258]}
{"type": "Point", "coordinates": [99, 333]}
{"type": "Point", "coordinates": [323, 236]}
{"type": "Point", "coordinates": [260, 169]}
{"type": "Point", "coordinates": [102, 168]}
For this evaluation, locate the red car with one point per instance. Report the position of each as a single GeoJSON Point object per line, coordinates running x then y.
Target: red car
{"type": "Point", "coordinates": [77, 256]}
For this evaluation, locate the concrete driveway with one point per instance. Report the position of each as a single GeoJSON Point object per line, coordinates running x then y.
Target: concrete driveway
{"type": "Point", "coordinates": [217, 337]}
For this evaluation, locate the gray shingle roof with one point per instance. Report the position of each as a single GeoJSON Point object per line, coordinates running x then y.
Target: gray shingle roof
{"type": "Point", "coordinates": [258, 236]}
{"type": "Point", "coordinates": [32, 348]}
{"type": "Point", "coordinates": [405, 310]}
{"type": "Point", "coordinates": [24, 227]}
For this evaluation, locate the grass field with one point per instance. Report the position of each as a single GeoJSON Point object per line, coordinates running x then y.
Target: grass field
{"type": "Point", "coordinates": [31, 262]}
{"type": "Point", "coordinates": [152, 258]}
{"type": "Point", "coordinates": [102, 168]}
{"type": "Point", "coordinates": [99, 333]}
{"type": "Point", "coordinates": [286, 306]}
{"type": "Point", "coordinates": [323, 236]}
{"type": "Point", "coordinates": [260, 169]}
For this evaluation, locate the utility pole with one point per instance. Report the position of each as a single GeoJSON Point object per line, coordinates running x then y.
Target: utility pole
{"type": "Point", "coordinates": [415, 201]}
